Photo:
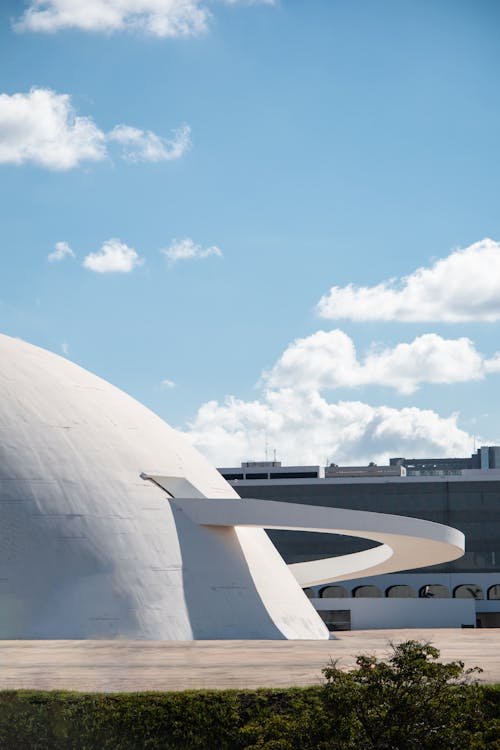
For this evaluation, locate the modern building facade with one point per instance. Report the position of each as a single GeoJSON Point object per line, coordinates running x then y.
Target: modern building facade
{"type": "Point", "coordinates": [457, 493]}
{"type": "Point", "coordinates": [485, 458]}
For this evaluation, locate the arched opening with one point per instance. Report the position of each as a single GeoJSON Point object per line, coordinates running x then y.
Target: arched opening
{"type": "Point", "coordinates": [494, 591]}
{"type": "Point", "coordinates": [366, 592]}
{"type": "Point", "coordinates": [400, 592]}
{"type": "Point", "coordinates": [309, 593]}
{"type": "Point", "coordinates": [333, 592]}
{"type": "Point", "coordinates": [434, 591]}
{"type": "Point", "coordinates": [468, 591]}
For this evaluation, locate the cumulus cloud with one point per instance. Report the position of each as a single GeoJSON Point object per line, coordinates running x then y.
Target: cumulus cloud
{"type": "Point", "coordinates": [305, 428]}
{"type": "Point", "coordinates": [143, 145]}
{"type": "Point", "coordinates": [62, 250]}
{"type": "Point", "coordinates": [42, 128]}
{"type": "Point", "coordinates": [113, 257]}
{"type": "Point", "coordinates": [464, 286]}
{"type": "Point", "coordinates": [492, 365]}
{"type": "Point", "coordinates": [186, 249]}
{"type": "Point", "coordinates": [167, 384]}
{"type": "Point", "coordinates": [328, 359]}
{"type": "Point", "coordinates": [159, 18]}
{"type": "Point", "coordinates": [293, 415]}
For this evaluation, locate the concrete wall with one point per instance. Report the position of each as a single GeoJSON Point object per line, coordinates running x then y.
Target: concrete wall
{"type": "Point", "coordinates": [376, 614]}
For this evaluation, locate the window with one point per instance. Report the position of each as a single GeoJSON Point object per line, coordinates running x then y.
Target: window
{"type": "Point", "coordinates": [333, 592]}
{"type": "Point", "coordinates": [294, 475]}
{"type": "Point", "coordinates": [365, 592]}
{"type": "Point", "coordinates": [434, 591]}
{"type": "Point", "coordinates": [400, 592]}
{"type": "Point", "coordinates": [494, 591]}
{"type": "Point", "coordinates": [468, 591]}
{"type": "Point", "coordinates": [336, 619]}
{"type": "Point", "coordinates": [309, 593]}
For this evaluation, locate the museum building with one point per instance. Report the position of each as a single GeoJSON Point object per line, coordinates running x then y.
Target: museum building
{"type": "Point", "coordinates": [460, 492]}
{"type": "Point", "coordinates": [113, 525]}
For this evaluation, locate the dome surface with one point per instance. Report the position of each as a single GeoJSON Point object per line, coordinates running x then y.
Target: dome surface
{"type": "Point", "coordinates": [92, 548]}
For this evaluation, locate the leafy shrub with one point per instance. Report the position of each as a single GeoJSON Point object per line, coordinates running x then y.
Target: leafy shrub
{"type": "Point", "coordinates": [409, 702]}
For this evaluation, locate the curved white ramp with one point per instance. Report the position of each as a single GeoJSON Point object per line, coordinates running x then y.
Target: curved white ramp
{"type": "Point", "coordinates": [404, 542]}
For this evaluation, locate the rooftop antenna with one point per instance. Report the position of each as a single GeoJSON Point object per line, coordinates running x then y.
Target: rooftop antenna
{"type": "Point", "coordinates": [266, 447]}
{"type": "Point", "coordinates": [274, 455]}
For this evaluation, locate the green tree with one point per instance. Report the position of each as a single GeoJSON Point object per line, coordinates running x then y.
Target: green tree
{"type": "Point", "coordinates": [411, 701]}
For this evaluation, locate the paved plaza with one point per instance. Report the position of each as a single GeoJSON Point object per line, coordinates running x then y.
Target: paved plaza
{"type": "Point", "coordinates": [122, 665]}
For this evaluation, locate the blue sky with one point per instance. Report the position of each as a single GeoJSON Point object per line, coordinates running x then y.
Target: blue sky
{"type": "Point", "coordinates": [243, 158]}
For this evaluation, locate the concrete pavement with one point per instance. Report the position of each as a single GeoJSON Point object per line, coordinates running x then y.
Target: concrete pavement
{"type": "Point", "coordinates": [126, 666]}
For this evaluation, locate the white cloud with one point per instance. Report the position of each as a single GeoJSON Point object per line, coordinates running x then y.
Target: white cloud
{"type": "Point", "coordinates": [113, 257]}
{"type": "Point", "coordinates": [186, 249]}
{"type": "Point", "coordinates": [305, 428]}
{"type": "Point", "coordinates": [143, 145]}
{"type": "Point", "coordinates": [166, 384]}
{"type": "Point", "coordinates": [328, 359]}
{"type": "Point", "coordinates": [62, 251]}
{"type": "Point", "coordinates": [42, 128]}
{"type": "Point", "coordinates": [293, 416]}
{"type": "Point", "coordinates": [464, 286]}
{"type": "Point", "coordinates": [160, 18]}
{"type": "Point", "coordinates": [492, 365]}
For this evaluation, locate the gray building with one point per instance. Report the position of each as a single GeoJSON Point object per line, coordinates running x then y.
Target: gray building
{"type": "Point", "coordinates": [485, 458]}
{"type": "Point", "coordinates": [458, 493]}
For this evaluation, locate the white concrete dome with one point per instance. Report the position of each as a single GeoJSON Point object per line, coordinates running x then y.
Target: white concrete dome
{"type": "Point", "coordinates": [89, 549]}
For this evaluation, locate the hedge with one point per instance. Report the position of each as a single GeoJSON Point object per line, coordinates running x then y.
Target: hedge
{"type": "Point", "coordinates": [292, 719]}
